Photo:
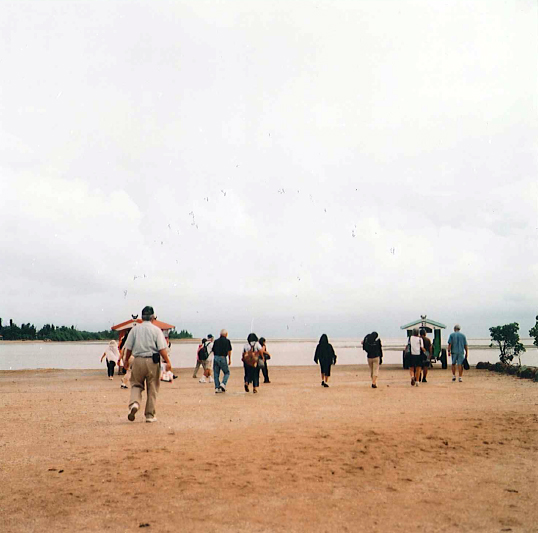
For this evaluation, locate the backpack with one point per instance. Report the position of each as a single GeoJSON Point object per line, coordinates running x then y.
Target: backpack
{"type": "Point", "coordinates": [251, 357]}
{"type": "Point", "coordinates": [203, 354]}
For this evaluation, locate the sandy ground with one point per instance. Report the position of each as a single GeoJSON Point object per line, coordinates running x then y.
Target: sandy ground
{"type": "Point", "coordinates": [296, 457]}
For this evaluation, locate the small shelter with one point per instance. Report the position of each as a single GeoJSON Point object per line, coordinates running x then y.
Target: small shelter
{"type": "Point", "coordinates": [124, 328]}
{"type": "Point", "coordinates": [431, 326]}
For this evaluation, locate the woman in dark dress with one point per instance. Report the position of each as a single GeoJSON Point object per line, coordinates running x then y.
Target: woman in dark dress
{"type": "Point", "coordinates": [326, 357]}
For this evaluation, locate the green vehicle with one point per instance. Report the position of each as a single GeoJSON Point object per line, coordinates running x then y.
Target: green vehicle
{"type": "Point", "coordinates": [431, 326]}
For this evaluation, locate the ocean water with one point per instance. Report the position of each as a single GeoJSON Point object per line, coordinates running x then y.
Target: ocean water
{"type": "Point", "coordinates": [86, 355]}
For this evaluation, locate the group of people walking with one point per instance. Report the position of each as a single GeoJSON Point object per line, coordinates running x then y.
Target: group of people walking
{"type": "Point", "coordinates": [147, 346]}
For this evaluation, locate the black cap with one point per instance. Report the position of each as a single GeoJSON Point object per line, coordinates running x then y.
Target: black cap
{"type": "Point", "coordinates": [209, 336]}
{"type": "Point", "coordinates": [148, 311]}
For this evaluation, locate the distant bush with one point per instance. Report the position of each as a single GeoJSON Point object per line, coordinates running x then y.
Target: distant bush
{"type": "Point", "coordinates": [523, 372]}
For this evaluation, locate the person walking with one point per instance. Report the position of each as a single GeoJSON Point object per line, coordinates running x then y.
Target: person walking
{"type": "Point", "coordinates": [203, 359]}
{"type": "Point", "coordinates": [326, 357]}
{"type": "Point", "coordinates": [222, 348]}
{"type": "Point", "coordinates": [374, 352]}
{"type": "Point", "coordinates": [458, 348]}
{"type": "Point", "coordinates": [266, 357]}
{"type": "Point", "coordinates": [427, 355]}
{"type": "Point", "coordinates": [252, 359]}
{"type": "Point", "coordinates": [112, 355]}
{"type": "Point", "coordinates": [415, 356]}
{"type": "Point", "coordinates": [147, 344]}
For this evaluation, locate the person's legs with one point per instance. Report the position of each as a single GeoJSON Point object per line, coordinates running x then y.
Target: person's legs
{"type": "Point", "coordinates": [198, 363]}
{"type": "Point", "coordinates": [418, 370]}
{"type": "Point", "coordinates": [460, 370]}
{"type": "Point", "coordinates": [153, 375]}
{"type": "Point", "coordinates": [137, 380]}
{"type": "Point", "coordinates": [245, 373]}
{"type": "Point", "coordinates": [374, 369]}
{"type": "Point", "coordinates": [255, 377]}
{"type": "Point", "coordinates": [425, 371]}
{"type": "Point", "coordinates": [110, 368]}
{"type": "Point", "coordinates": [265, 372]}
{"type": "Point", "coordinates": [371, 367]}
{"type": "Point", "coordinates": [216, 372]}
{"type": "Point", "coordinates": [226, 370]}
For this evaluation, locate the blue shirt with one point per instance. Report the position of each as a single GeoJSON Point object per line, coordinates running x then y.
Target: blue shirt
{"type": "Point", "coordinates": [457, 343]}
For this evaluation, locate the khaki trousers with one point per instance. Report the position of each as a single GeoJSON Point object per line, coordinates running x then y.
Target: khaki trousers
{"type": "Point", "coordinates": [145, 371]}
{"type": "Point", "coordinates": [373, 363]}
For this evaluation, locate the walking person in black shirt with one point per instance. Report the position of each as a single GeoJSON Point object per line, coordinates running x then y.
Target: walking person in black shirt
{"type": "Point", "coordinates": [222, 348]}
{"type": "Point", "coordinates": [372, 346]}
{"type": "Point", "coordinates": [326, 357]}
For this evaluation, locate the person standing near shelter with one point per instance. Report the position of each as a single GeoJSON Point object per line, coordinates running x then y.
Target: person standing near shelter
{"type": "Point", "coordinates": [458, 348]}
{"type": "Point", "coordinates": [147, 344]}
{"type": "Point", "coordinates": [326, 357]}
{"type": "Point", "coordinates": [415, 357]}
{"type": "Point", "coordinates": [428, 350]}
{"type": "Point", "coordinates": [374, 352]}
{"type": "Point", "coordinates": [222, 348]}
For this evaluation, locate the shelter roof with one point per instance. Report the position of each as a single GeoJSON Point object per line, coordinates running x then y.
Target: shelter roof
{"type": "Point", "coordinates": [424, 322]}
{"type": "Point", "coordinates": [133, 322]}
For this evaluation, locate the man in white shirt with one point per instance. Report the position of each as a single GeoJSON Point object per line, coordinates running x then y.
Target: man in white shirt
{"type": "Point", "coordinates": [147, 344]}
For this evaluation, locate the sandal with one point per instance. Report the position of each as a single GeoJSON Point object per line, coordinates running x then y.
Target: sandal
{"type": "Point", "coordinates": [246, 388]}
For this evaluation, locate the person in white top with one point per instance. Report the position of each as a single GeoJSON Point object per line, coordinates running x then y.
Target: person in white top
{"type": "Point", "coordinates": [252, 373]}
{"type": "Point", "coordinates": [112, 355]}
{"type": "Point", "coordinates": [415, 357]}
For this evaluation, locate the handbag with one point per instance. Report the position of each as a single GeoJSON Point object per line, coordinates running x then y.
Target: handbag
{"type": "Point", "coordinates": [466, 364]}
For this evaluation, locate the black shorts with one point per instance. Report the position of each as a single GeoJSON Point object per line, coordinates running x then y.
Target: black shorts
{"type": "Point", "coordinates": [415, 361]}
{"type": "Point", "coordinates": [325, 369]}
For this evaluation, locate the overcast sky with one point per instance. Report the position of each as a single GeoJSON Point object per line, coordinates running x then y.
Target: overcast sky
{"type": "Point", "coordinates": [299, 166]}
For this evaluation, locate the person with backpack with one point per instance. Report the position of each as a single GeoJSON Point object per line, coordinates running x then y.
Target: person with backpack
{"type": "Point", "coordinates": [252, 360]}
{"type": "Point", "coordinates": [374, 352]}
{"type": "Point", "coordinates": [326, 357]}
{"type": "Point", "coordinates": [266, 357]}
{"type": "Point", "coordinates": [203, 359]}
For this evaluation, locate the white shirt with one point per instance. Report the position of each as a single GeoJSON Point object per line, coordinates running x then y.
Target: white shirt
{"type": "Point", "coordinates": [252, 346]}
{"type": "Point", "coordinates": [416, 344]}
{"type": "Point", "coordinates": [112, 353]}
{"type": "Point", "coordinates": [145, 340]}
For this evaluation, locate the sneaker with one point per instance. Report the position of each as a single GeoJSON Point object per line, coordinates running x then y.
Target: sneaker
{"type": "Point", "coordinates": [110, 377]}
{"type": "Point", "coordinates": [453, 378]}
{"type": "Point", "coordinates": [223, 388]}
{"type": "Point", "coordinates": [424, 380]}
{"type": "Point", "coordinates": [246, 387]}
{"type": "Point", "coordinates": [202, 380]}
{"type": "Point", "coordinates": [326, 385]}
{"type": "Point", "coordinates": [374, 386]}
{"type": "Point", "coordinates": [218, 390]}
{"type": "Point", "coordinates": [124, 387]}
{"type": "Point", "coordinates": [416, 383]}
{"type": "Point", "coordinates": [266, 381]}
{"type": "Point", "coordinates": [413, 381]}
{"type": "Point", "coordinates": [151, 420]}
{"type": "Point", "coordinates": [210, 379]}
{"type": "Point", "coordinates": [134, 408]}
{"type": "Point", "coordinates": [323, 383]}
{"type": "Point", "coordinates": [460, 380]}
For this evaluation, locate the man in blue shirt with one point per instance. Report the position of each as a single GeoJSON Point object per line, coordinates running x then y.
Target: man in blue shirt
{"type": "Point", "coordinates": [457, 347]}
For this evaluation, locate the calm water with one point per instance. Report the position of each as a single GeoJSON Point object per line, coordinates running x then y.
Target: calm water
{"type": "Point", "coordinates": [86, 355]}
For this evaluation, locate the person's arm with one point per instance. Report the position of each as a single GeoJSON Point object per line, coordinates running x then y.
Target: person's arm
{"type": "Point", "coordinates": [126, 358]}
{"type": "Point", "coordinates": [164, 355]}
{"type": "Point", "coordinates": [230, 357]}
{"type": "Point", "coordinates": [104, 355]}
{"type": "Point", "coordinates": [466, 351]}
{"type": "Point", "coordinates": [380, 350]}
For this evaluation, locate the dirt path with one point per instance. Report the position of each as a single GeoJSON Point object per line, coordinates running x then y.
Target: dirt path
{"type": "Point", "coordinates": [297, 457]}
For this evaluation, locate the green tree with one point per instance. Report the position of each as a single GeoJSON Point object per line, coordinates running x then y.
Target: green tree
{"type": "Point", "coordinates": [533, 332]}
{"type": "Point", "coordinates": [507, 338]}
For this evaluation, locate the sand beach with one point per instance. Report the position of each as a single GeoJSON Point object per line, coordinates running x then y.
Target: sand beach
{"type": "Point", "coordinates": [297, 457]}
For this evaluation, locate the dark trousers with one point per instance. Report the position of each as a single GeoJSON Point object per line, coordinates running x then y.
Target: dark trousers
{"type": "Point", "coordinates": [253, 375]}
{"type": "Point", "coordinates": [265, 372]}
{"type": "Point", "coordinates": [110, 367]}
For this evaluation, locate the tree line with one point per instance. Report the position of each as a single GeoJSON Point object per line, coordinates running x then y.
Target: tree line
{"type": "Point", "coordinates": [50, 332]}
